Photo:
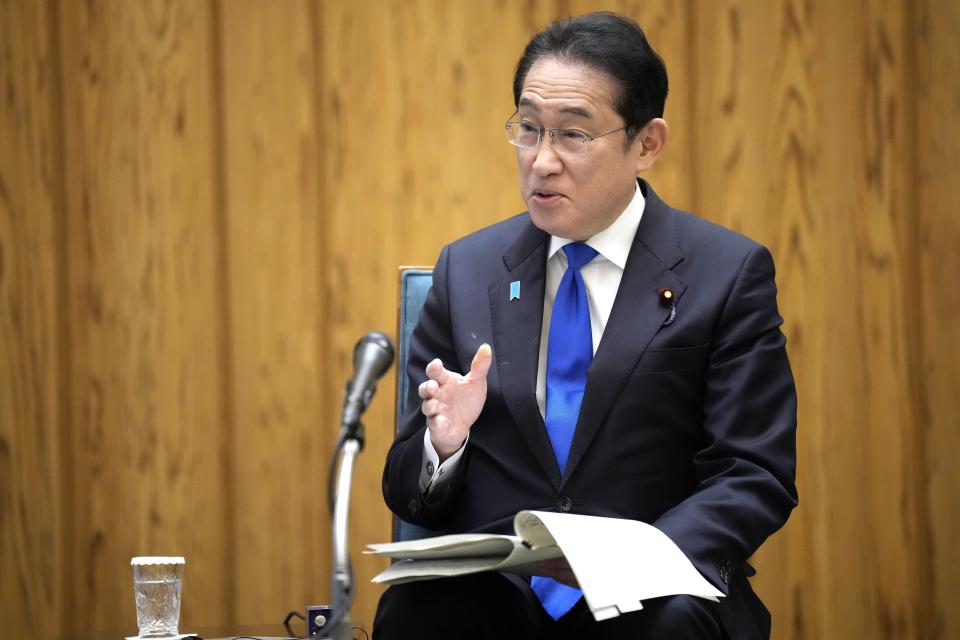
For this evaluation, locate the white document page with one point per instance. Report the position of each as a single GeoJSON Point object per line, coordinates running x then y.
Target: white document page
{"type": "Point", "coordinates": [464, 553]}
{"type": "Point", "coordinates": [619, 562]}
{"type": "Point", "coordinates": [457, 545]}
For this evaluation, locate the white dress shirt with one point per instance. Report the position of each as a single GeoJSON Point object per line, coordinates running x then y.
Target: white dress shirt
{"type": "Point", "coordinates": [601, 276]}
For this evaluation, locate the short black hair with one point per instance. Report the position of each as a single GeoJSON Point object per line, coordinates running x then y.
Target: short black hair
{"type": "Point", "coordinates": [613, 44]}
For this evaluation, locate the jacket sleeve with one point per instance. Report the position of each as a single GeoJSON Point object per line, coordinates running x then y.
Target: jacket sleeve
{"type": "Point", "coordinates": [432, 338]}
{"type": "Point", "coordinates": [746, 470]}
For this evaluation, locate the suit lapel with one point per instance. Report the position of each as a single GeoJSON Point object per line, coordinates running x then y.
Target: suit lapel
{"type": "Point", "coordinates": [516, 340]}
{"type": "Point", "coordinates": [636, 317]}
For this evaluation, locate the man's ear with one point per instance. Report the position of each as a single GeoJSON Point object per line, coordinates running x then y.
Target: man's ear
{"type": "Point", "coordinates": [649, 143]}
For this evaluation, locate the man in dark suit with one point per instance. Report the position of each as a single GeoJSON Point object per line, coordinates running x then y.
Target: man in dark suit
{"type": "Point", "coordinates": [601, 354]}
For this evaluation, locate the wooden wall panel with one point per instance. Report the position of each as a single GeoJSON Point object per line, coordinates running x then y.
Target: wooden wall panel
{"type": "Point", "coordinates": [217, 195]}
{"type": "Point", "coordinates": [753, 170]}
{"type": "Point", "coordinates": [31, 518]}
{"type": "Point", "coordinates": [806, 107]}
{"type": "Point", "coordinates": [146, 427]}
{"type": "Point", "coordinates": [935, 372]}
{"type": "Point", "coordinates": [282, 425]}
{"type": "Point", "coordinates": [413, 105]}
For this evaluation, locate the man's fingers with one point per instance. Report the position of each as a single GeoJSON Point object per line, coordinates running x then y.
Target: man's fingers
{"type": "Point", "coordinates": [430, 408]}
{"type": "Point", "coordinates": [436, 371]}
{"type": "Point", "coordinates": [428, 389]}
{"type": "Point", "coordinates": [481, 362]}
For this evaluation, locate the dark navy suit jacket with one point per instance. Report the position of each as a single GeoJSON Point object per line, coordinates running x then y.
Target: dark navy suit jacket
{"type": "Point", "coordinates": [689, 426]}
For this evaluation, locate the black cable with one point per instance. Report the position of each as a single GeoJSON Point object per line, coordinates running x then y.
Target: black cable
{"type": "Point", "coordinates": [286, 621]}
{"type": "Point", "coordinates": [365, 634]}
{"type": "Point", "coordinates": [294, 636]}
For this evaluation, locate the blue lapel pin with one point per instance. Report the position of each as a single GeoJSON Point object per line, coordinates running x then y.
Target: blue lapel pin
{"type": "Point", "coordinates": [515, 290]}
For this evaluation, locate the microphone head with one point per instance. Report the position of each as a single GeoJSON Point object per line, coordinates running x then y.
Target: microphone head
{"type": "Point", "coordinates": [372, 356]}
{"type": "Point", "coordinates": [375, 349]}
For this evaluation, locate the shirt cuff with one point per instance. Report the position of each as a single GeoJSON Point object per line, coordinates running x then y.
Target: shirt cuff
{"type": "Point", "coordinates": [432, 473]}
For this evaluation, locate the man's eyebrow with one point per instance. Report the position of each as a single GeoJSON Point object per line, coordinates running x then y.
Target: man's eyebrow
{"type": "Point", "coordinates": [528, 103]}
{"type": "Point", "coordinates": [575, 111]}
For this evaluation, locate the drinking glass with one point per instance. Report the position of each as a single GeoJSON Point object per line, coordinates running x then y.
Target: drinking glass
{"type": "Point", "coordinates": [157, 581]}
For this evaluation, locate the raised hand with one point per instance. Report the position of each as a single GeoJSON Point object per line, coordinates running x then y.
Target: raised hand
{"type": "Point", "coordinates": [452, 402]}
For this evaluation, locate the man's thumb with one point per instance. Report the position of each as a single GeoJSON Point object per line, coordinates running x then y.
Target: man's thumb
{"type": "Point", "coordinates": [481, 362]}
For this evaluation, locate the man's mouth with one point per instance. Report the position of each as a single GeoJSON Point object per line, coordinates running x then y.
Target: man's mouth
{"type": "Point", "coordinates": [542, 196]}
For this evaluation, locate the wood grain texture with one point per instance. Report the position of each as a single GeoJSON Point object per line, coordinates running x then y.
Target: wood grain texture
{"type": "Point", "coordinates": [282, 427]}
{"type": "Point", "coordinates": [413, 102]}
{"type": "Point", "coordinates": [203, 204]}
{"type": "Point", "coordinates": [32, 537]}
{"type": "Point", "coordinates": [934, 27]}
{"type": "Point", "coordinates": [753, 171]}
{"type": "Point", "coordinates": [809, 114]}
{"type": "Point", "coordinates": [146, 425]}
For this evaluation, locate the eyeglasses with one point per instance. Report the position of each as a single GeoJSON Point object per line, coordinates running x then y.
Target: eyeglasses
{"type": "Point", "coordinates": [566, 141]}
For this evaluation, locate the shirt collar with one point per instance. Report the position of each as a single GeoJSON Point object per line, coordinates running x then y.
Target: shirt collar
{"type": "Point", "coordinates": [614, 242]}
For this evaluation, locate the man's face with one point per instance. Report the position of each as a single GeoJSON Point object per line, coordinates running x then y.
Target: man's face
{"type": "Point", "coordinates": [574, 196]}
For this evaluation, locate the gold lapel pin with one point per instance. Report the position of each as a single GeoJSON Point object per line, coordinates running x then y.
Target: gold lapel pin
{"type": "Point", "coordinates": [667, 299]}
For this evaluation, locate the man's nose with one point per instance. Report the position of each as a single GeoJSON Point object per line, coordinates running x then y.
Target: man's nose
{"type": "Point", "coordinates": [548, 160]}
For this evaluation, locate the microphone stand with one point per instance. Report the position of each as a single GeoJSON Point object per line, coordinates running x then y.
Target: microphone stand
{"type": "Point", "coordinates": [372, 356]}
{"type": "Point", "coordinates": [341, 584]}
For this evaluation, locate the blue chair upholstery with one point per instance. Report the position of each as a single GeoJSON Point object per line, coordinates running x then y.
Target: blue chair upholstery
{"type": "Point", "coordinates": [414, 285]}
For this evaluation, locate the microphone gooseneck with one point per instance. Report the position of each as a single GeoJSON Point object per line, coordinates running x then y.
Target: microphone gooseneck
{"type": "Point", "coordinates": [372, 356]}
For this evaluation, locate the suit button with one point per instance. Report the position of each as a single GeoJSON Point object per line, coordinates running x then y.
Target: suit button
{"type": "Point", "coordinates": [564, 503]}
{"type": "Point", "coordinates": [430, 468]}
{"type": "Point", "coordinates": [725, 572]}
{"type": "Point", "coordinates": [413, 506]}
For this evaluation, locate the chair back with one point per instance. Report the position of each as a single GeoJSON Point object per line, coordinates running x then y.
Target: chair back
{"type": "Point", "coordinates": [415, 282]}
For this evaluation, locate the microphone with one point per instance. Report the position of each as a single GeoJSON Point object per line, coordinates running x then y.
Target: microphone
{"type": "Point", "coordinates": [372, 356]}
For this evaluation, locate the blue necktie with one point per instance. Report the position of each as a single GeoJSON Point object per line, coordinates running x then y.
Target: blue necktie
{"type": "Point", "coordinates": [569, 352]}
